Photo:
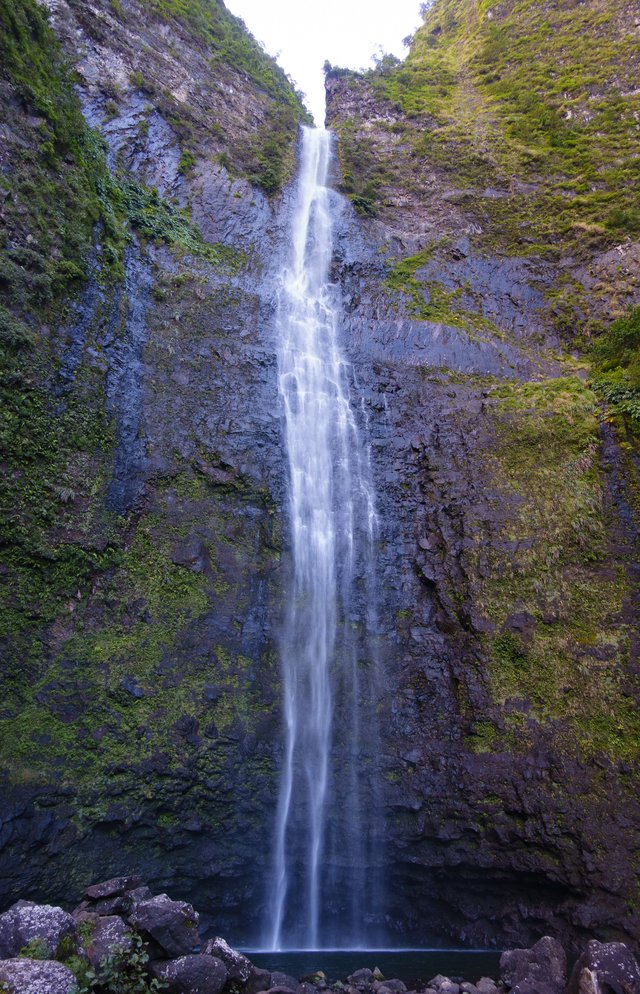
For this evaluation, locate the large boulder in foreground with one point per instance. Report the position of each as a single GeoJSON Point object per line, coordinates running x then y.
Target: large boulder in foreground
{"type": "Point", "coordinates": [27, 922]}
{"type": "Point", "coordinates": [605, 968]}
{"type": "Point", "coordinates": [542, 968]}
{"type": "Point", "coordinates": [30, 976]}
{"type": "Point", "coordinates": [192, 975]}
{"type": "Point", "coordinates": [173, 925]}
{"type": "Point", "coordinates": [259, 980]}
{"type": "Point", "coordinates": [108, 936]}
{"type": "Point", "coordinates": [238, 966]}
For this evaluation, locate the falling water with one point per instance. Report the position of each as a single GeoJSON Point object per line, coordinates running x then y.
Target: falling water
{"type": "Point", "coordinates": [322, 874]}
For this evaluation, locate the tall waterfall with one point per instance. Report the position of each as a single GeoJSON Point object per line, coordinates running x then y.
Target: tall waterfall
{"type": "Point", "coordinates": [326, 855]}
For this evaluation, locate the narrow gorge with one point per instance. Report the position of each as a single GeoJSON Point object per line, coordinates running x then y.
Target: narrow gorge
{"type": "Point", "coordinates": [320, 602]}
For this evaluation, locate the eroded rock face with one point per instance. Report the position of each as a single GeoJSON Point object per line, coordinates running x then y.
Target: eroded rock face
{"type": "Point", "coordinates": [175, 357]}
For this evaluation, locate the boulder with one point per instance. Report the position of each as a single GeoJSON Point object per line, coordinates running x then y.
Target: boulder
{"type": "Point", "coordinates": [191, 974]}
{"type": "Point", "coordinates": [605, 968]}
{"type": "Point", "coordinates": [283, 980]}
{"type": "Point", "coordinates": [109, 934]}
{"type": "Point", "coordinates": [487, 986]}
{"type": "Point", "coordinates": [173, 925]}
{"type": "Point", "coordinates": [259, 980]}
{"type": "Point", "coordinates": [361, 978]}
{"type": "Point", "coordinates": [445, 985]}
{"type": "Point", "coordinates": [238, 966]}
{"type": "Point", "coordinates": [31, 976]}
{"type": "Point", "coordinates": [317, 979]}
{"type": "Point", "coordinates": [111, 888]}
{"type": "Point", "coordinates": [27, 922]}
{"type": "Point", "coordinates": [544, 965]}
{"type": "Point", "coordinates": [114, 904]}
{"type": "Point", "coordinates": [307, 988]}
{"type": "Point", "coordinates": [532, 987]}
{"type": "Point", "coordinates": [437, 981]}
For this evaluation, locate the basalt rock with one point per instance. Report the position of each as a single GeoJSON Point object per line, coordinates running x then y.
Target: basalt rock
{"type": "Point", "coordinates": [605, 968]}
{"type": "Point", "coordinates": [112, 888]}
{"type": "Point", "coordinates": [26, 976]}
{"type": "Point", "coordinates": [507, 622]}
{"type": "Point", "coordinates": [172, 925]}
{"type": "Point", "coordinates": [283, 980]}
{"type": "Point", "coordinates": [258, 980]}
{"type": "Point", "coordinates": [239, 968]}
{"type": "Point", "coordinates": [109, 935]}
{"type": "Point", "coordinates": [27, 922]}
{"type": "Point", "coordinates": [545, 965]}
{"type": "Point", "coordinates": [192, 975]}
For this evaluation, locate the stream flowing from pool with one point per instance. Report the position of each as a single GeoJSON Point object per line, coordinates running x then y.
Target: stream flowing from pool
{"type": "Point", "coordinates": [325, 884]}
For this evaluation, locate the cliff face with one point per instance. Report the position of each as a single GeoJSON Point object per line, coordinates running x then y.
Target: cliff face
{"type": "Point", "coordinates": [143, 475]}
{"type": "Point", "coordinates": [495, 173]}
{"type": "Point", "coordinates": [145, 549]}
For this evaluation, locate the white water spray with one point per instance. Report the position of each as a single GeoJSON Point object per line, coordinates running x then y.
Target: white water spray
{"type": "Point", "coordinates": [321, 846]}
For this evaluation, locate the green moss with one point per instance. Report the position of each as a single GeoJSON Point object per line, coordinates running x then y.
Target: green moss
{"type": "Point", "coordinates": [157, 219]}
{"type": "Point", "coordinates": [483, 737]}
{"type": "Point", "coordinates": [547, 95]}
{"type": "Point", "coordinates": [187, 162]}
{"type": "Point", "coordinates": [267, 158]}
{"type": "Point", "coordinates": [429, 300]}
{"type": "Point", "coordinates": [550, 562]}
{"type": "Point", "coordinates": [363, 171]}
{"type": "Point", "coordinates": [58, 169]}
{"type": "Point", "coordinates": [125, 687]}
{"type": "Point", "coordinates": [616, 358]}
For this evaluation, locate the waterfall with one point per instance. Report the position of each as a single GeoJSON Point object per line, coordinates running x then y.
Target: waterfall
{"type": "Point", "coordinates": [326, 855]}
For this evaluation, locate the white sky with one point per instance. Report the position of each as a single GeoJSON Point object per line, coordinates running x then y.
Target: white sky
{"type": "Point", "coordinates": [302, 34]}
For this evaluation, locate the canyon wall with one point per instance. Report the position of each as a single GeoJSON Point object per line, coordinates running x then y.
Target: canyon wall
{"type": "Point", "coordinates": [487, 236]}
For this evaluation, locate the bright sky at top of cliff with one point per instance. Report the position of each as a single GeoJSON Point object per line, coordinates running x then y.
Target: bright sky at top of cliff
{"type": "Point", "coordinates": [346, 32]}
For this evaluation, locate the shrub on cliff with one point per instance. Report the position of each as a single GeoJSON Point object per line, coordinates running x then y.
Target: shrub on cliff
{"type": "Point", "coordinates": [616, 357]}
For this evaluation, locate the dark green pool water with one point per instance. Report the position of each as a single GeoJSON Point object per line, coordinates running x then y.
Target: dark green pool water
{"type": "Point", "coordinates": [414, 966]}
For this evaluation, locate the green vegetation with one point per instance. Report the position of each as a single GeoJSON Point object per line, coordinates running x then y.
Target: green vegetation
{"type": "Point", "coordinates": [125, 666]}
{"type": "Point", "coordinates": [58, 169]}
{"type": "Point", "coordinates": [363, 172]}
{"type": "Point", "coordinates": [37, 949]}
{"type": "Point", "coordinates": [56, 435]}
{"type": "Point", "coordinates": [230, 44]}
{"type": "Point", "coordinates": [616, 361]}
{"type": "Point", "coordinates": [267, 157]}
{"type": "Point", "coordinates": [430, 300]}
{"type": "Point", "coordinates": [489, 93]}
{"type": "Point", "coordinates": [155, 218]}
{"type": "Point", "coordinates": [187, 162]}
{"type": "Point", "coordinates": [550, 563]}
{"type": "Point", "coordinates": [125, 971]}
